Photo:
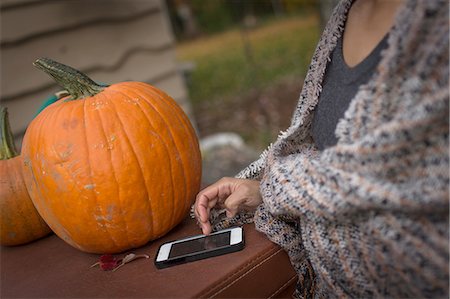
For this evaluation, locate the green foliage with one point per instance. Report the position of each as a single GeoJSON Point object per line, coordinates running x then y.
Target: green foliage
{"type": "Point", "coordinates": [278, 49]}
{"type": "Point", "coordinates": [213, 16]}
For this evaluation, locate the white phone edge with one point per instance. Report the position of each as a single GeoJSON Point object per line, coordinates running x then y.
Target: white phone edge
{"type": "Point", "coordinates": [235, 238]}
{"type": "Point", "coordinates": [235, 235]}
{"type": "Point", "coordinates": [164, 251]}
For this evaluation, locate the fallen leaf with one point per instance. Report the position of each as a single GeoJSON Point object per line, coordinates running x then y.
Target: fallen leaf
{"type": "Point", "coordinates": [108, 262]}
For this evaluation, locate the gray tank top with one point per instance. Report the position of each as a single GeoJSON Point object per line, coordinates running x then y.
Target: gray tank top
{"type": "Point", "coordinates": [339, 86]}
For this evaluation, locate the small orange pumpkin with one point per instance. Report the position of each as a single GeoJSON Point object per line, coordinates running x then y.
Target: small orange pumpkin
{"type": "Point", "coordinates": [20, 223]}
{"type": "Point", "coordinates": [110, 168]}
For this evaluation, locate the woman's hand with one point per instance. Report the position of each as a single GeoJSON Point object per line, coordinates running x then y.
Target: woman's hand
{"type": "Point", "coordinates": [230, 193]}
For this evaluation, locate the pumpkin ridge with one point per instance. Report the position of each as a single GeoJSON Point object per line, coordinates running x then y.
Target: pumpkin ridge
{"type": "Point", "coordinates": [187, 191]}
{"type": "Point", "coordinates": [33, 177]}
{"type": "Point", "coordinates": [143, 94]}
{"type": "Point", "coordinates": [88, 159]}
{"type": "Point", "coordinates": [163, 143]}
{"type": "Point", "coordinates": [59, 108]}
{"type": "Point", "coordinates": [149, 205]}
{"type": "Point", "coordinates": [186, 183]}
{"type": "Point", "coordinates": [31, 217]}
{"type": "Point", "coordinates": [115, 177]}
{"type": "Point", "coordinates": [182, 117]}
{"type": "Point", "coordinates": [145, 183]}
{"type": "Point", "coordinates": [41, 221]}
{"type": "Point", "coordinates": [55, 115]}
{"type": "Point", "coordinates": [39, 144]}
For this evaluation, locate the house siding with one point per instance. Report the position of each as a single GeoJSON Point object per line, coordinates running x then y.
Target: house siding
{"type": "Point", "coordinates": [109, 40]}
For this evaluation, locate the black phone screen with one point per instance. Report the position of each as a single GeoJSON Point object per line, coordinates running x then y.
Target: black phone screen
{"type": "Point", "coordinates": [200, 244]}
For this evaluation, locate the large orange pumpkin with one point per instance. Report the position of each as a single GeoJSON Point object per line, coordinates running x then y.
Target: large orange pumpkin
{"type": "Point", "coordinates": [110, 168]}
{"type": "Point", "coordinates": [20, 223]}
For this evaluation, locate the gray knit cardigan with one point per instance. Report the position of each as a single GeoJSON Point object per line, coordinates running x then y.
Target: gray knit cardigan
{"type": "Point", "coordinates": [369, 216]}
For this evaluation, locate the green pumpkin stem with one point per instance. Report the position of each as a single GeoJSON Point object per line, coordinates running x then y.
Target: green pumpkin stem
{"type": "Point", "coordinates": [77, 84]}
{"type": "Point", "coordinates": [7, 147]}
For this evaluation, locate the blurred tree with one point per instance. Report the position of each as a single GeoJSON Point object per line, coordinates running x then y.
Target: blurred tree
{"type": "Point", "coordinates": [188, 20]}
{"type": "Point", "coordinates": [192, 17]}
{"type": "Point", "coordinates": [182, 17]}
{"type": "Point", "coordinates": [278, 7]}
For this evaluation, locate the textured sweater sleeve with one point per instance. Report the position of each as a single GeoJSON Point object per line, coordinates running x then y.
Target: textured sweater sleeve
{"type": "Point", "coordinates": [373, 212]}
{"type": "Point", "coordinates": [400, 167]}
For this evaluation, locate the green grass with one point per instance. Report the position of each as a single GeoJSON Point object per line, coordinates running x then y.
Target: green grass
{"type": "Point", "coordinates": [278, 48]}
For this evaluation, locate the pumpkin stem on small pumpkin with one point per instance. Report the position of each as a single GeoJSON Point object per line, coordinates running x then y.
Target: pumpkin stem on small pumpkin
{"type": "Point", "coordinates": [75, 82]}
{"type": "Point", "coordinates": [7, 147]}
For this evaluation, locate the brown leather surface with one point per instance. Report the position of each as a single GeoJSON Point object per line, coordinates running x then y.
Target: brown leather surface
{"type": "Point", "coordinates": [49, 268]}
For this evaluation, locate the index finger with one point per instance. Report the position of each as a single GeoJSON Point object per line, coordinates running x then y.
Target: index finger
{"type": "Point", "coordinates": [203, 206]}
{"type": "Point", "coordinates": [208, 198]}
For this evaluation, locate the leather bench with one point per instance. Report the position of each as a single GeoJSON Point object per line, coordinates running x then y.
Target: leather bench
{"type": "Point", "coordinates": [49, 268]}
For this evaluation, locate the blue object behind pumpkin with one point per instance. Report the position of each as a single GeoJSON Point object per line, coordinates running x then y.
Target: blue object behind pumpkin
{"type": "Point", "coordinates": [50, 100]}
{"type": "Point", "coordinates": [55, 97]}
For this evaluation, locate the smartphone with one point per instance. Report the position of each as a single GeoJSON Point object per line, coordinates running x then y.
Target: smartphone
{"type": "Point", "coordinates": [199, 247]}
